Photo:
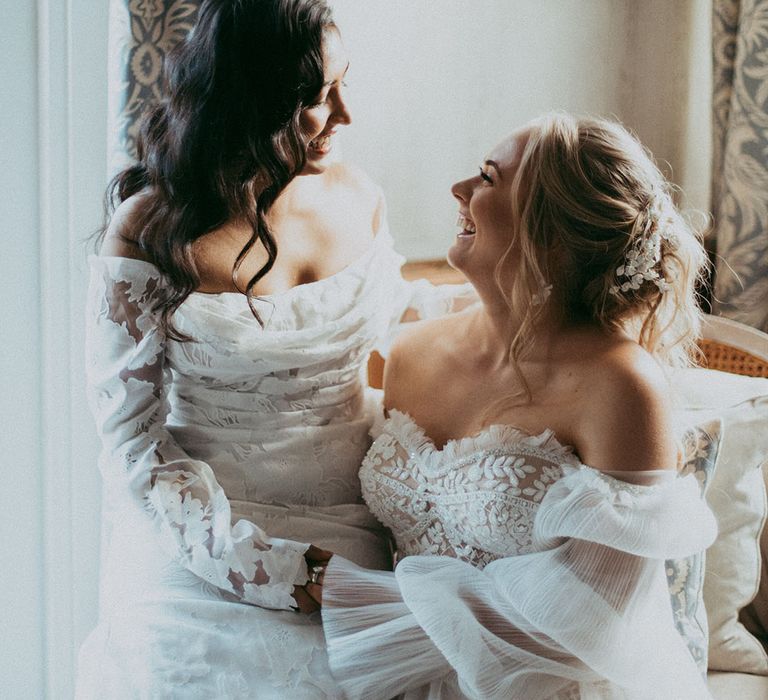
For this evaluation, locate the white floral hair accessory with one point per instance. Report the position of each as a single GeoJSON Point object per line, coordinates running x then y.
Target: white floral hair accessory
{"type": "Point", "coordinates": [641, 259]}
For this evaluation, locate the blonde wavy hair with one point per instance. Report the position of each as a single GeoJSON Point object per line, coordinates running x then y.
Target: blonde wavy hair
{"type": "Point", "coordinates": [585, 193]}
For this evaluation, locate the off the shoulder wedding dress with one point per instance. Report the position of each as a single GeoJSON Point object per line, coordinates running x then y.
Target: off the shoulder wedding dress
{"type": "Point", "coordinates": [223, 458]}
{"type": "Point", "coordinates": [525, 575]}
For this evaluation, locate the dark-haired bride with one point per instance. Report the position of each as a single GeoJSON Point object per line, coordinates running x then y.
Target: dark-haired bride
{"type": "Point", "coordinates": [232, 308]}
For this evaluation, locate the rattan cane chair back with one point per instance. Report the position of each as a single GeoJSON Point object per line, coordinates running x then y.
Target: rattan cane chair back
{"type": "Point", "coordinates": [729, 346]}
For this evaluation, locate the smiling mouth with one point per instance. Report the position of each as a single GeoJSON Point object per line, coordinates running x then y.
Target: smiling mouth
{"type": "Point", "coordinates": [466, 225]}
{"type": "Point", "coordinates": [321, 144]}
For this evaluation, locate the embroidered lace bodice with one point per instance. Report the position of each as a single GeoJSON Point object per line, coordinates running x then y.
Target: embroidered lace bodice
{"type": "Point", "coordinates": [474, 499]}
{"type": "Point", "coordinates": [202, 434]}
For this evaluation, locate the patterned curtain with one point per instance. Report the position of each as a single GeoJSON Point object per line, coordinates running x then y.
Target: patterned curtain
{"type": "Point", "coordinates": [740, 159]}
{"type": "Point", "coordinates": [141, 33]}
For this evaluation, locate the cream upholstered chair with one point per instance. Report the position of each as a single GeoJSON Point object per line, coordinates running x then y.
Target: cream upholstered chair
{"type": "Point", "coordinates": [729, 346]}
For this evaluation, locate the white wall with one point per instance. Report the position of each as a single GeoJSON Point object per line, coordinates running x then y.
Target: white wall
{"type": "Point", "coordinates": [666, 97]}
{"type": "Point", "coordinates": [53, 144]}
{"type": "Point", "coordinates": [21, 617]}
{"type": "Point", "coordinates": [435, 85]}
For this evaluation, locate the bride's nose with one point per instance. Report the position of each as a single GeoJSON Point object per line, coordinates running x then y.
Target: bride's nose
{"type": "Point", "coordinates": [341, 114]}
{"type": "Point", "coordinates": [461, 190]}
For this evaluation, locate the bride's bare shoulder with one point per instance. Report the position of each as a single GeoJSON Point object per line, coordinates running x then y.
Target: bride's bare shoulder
{"type": "Point", "coordinates": [120, 238]}
{"type": "Point", "coordinates": [421, 355]}
{"type": "Point", "coordinates": [435, 336]}
{"type": "Point", "coordinates": [629, 424]}
{"type": "Point", "coordinates": [349, 175]}
{"type": "Point", "coordinates": [360, 191]}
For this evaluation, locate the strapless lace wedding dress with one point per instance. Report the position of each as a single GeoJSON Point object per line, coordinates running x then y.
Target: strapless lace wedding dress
{"type": "Point", "coordinates": [223, 458]}
{"type": "Point", "coordinates": [524, 574]}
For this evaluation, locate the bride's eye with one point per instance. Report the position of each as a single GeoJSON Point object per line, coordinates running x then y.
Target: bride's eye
{"type": "Point", "coordinates": [322, 99]}
{"type": "Point", "coordinates": [485, 176]}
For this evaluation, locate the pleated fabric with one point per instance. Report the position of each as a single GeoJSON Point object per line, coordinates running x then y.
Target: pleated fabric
{"type": "Point", "coordinates": [584, 613]}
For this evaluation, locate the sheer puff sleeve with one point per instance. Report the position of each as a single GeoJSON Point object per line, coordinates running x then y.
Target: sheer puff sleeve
{"type": "Point", "coordinates": [127, 390]}
{"type": "Point", "coordinates": [587, 614]}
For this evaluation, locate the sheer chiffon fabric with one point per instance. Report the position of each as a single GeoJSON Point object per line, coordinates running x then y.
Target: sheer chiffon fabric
{"type": "Point", "coordinates": [223, 457]}
{"type": "Point", "coordinates": [538, 577]}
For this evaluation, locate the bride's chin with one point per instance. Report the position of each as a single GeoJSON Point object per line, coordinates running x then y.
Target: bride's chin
{"type": "Point", "coordinates": [457, 254]}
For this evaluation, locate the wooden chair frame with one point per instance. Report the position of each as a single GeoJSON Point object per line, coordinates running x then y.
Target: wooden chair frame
{"type": "Point", "coordinates": [730, 346]}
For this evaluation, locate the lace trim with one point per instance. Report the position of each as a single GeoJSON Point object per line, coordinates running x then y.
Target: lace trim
{"type": "Point", "coordinates": [496, 439]}
{"type": "Point", "coordinates": [618, 488]}
{"type": "Point", "coordinates": [500, 439]}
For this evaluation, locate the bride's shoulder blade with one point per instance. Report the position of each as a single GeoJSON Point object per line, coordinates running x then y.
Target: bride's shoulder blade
{"type": "Point", "coordinates": [120, 238]}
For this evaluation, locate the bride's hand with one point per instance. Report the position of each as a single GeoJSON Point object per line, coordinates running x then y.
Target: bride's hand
{"type": "Point", "coordinates": [304, 602]}
{"type": "Point", "coordinates": [309, 597]}
{"type": "Point", "coordinates": [315, 555]}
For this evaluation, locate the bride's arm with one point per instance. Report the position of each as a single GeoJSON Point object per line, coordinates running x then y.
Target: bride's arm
{"type": "Point", "coordinates": [128, 384]}
{"type": "Point", "coordinates": [591, 605]}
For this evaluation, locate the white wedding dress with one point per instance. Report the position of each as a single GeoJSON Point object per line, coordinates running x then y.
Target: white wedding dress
{"type": "Point", "coordinates": [526, 575]}
{"type": "Point", "coordinates": [223, 458]}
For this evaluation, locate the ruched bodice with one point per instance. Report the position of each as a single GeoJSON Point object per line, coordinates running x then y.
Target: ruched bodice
{"type": "Point", "coordinates": [224, 456]}
{"type": "Point", "coordinates": [281, 410]}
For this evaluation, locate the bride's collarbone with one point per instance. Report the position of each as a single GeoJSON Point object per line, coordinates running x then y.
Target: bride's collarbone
{"type": "Point", "coordinates": [457, 395]}
{"type": "Point", "coordinates": [305, 254]}
{"type": "Point", "coordinates": [463, 405]}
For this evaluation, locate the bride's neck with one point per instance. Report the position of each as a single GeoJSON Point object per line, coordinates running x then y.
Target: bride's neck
{"type": "Point", "coordinates": [493, 326]}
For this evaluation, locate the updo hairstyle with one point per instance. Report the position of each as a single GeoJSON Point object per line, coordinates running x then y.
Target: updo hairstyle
{"type": "Point", "coordinates": [591, 207]}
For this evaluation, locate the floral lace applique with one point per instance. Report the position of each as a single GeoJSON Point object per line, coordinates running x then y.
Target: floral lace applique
{"type": "Point", "coordinates": [128, 386]}
{"type": "Point", "coordinates": [475, 499]}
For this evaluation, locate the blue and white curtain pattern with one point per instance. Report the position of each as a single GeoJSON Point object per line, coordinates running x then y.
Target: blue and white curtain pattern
{"type": "Point", "coordinates": [141, 33]}
{"type": "Point", "coordinates": [740, 159]}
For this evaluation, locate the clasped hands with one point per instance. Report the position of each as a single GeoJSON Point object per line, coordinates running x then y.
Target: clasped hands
{"type": "Point", "coordinates": [309, 597]}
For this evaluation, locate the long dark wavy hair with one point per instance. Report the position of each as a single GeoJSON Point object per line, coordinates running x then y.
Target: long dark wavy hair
{"type": "Point", "coordinates": [225, 140]}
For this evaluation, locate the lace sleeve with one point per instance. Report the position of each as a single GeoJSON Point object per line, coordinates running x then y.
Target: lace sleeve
{"type": "Point", "coordinates": [588, 611]}
{"type": "Point", "coordinates": [127, 389]}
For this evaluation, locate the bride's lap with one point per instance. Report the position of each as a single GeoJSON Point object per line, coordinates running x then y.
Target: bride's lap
{"type": "Point", "coordinates": [165, 633]}
{"type": "Point", "coordinates": [190, 648]}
